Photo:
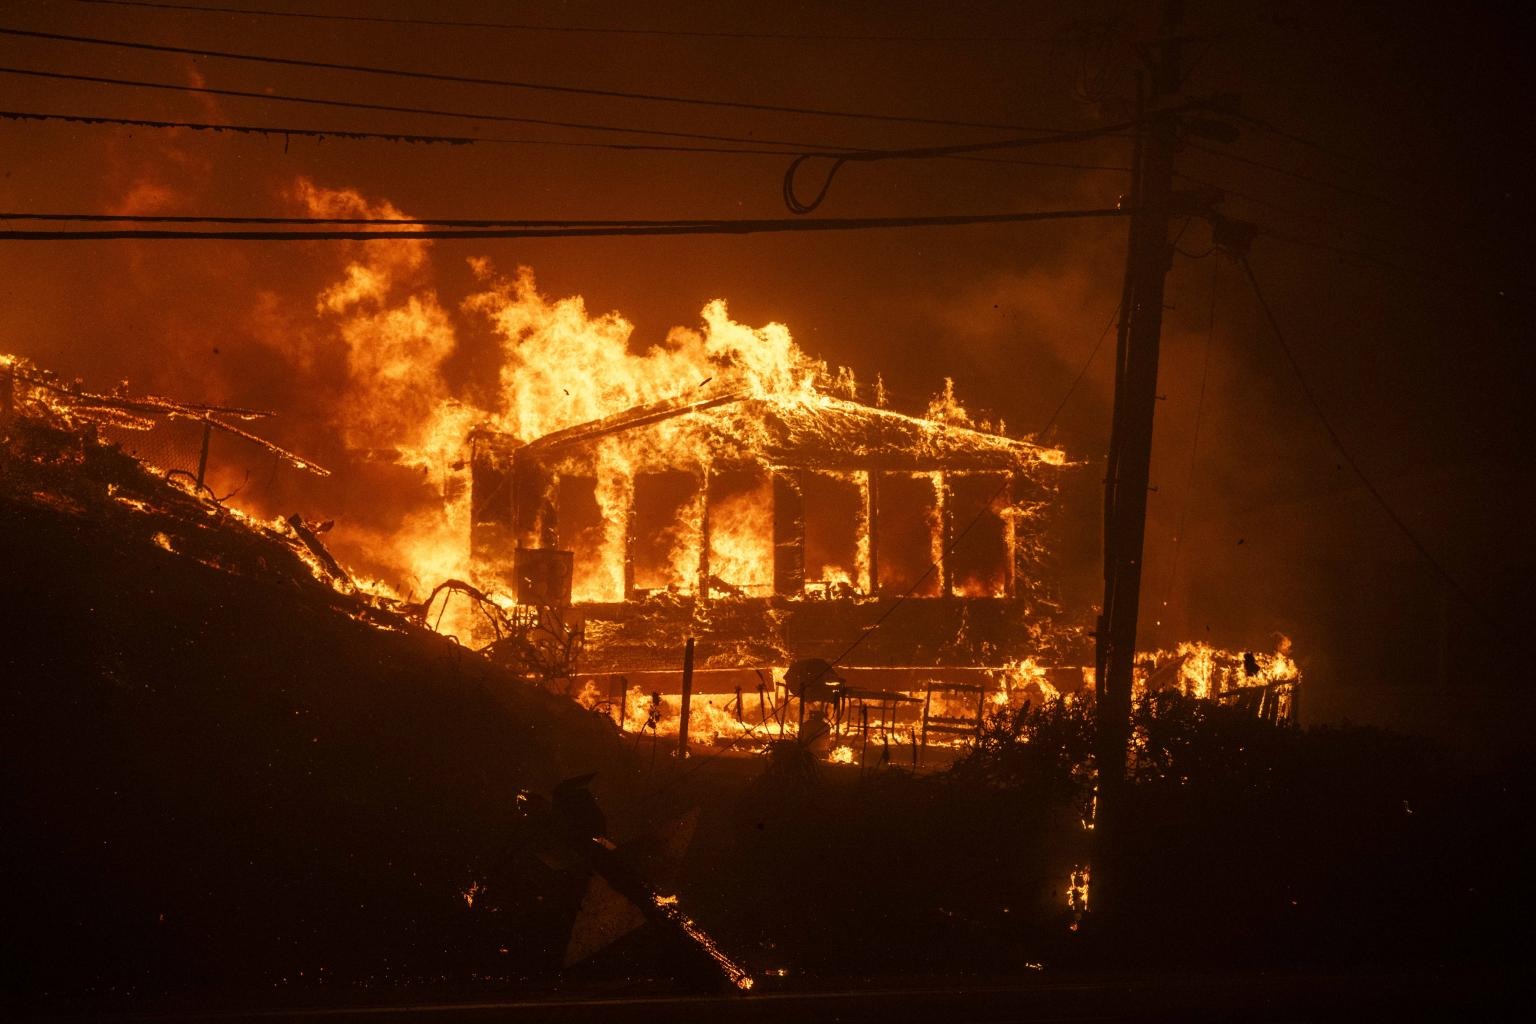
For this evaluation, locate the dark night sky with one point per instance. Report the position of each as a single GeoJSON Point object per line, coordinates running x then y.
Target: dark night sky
{"type": "Point", "coordinates": [1418, 112]}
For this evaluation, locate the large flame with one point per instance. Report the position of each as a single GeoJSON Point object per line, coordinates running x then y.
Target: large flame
{"type": "Point", "coordinates": [395, 363]}
{"type": "Point", "coordinates": [560, 366]}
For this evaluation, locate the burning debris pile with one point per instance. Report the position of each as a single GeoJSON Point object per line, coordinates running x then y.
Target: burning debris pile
{"type": "Point", "coordinates": [1263, 685]}
{"type": "Point", "coordinates": [58, 457]}
{"type": "Point", "coordinates": [56, 460]}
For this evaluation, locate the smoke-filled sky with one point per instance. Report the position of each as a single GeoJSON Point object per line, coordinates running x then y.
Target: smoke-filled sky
{"type": "Point", "coordinates": [1397, 134]}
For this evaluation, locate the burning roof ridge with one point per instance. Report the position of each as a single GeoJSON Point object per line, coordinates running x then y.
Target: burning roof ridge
{"type": "Point", "coordinates": [654, 412]}
{"type": "Point", "coordinates": [944, 425]}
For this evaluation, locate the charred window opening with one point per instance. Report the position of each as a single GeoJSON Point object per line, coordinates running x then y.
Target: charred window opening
{"type": "Point", "coordinates": [788, 534]}
{"type": "Point", "coordinates": [836, 551]}
{"type": "Point", "coordinates": [534, 515]}
{"type": "Point", "coordinates": [739, 525]}
{"type": "Point", "coordinates": [666, 531]}
{"type": "Point", "coordinates": [491, 504]}
{"type": "Point", "coordinates": [584, 532]}
{"type": "Point", "coordinates": [980, 561]}
{"type": "Point", "coordinates": [491, 458]}
{"type": "Point", "coordinates": [908, 539]}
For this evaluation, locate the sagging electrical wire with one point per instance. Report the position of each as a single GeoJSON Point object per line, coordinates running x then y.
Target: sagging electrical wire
{"type": "Point", "coordinates": [839, 160]}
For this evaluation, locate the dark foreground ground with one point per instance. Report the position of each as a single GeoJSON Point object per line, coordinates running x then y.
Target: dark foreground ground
{"type": "Point", "coordinates": [224, 795]}
{"type": "Point", "coordinates": [1165, 996]}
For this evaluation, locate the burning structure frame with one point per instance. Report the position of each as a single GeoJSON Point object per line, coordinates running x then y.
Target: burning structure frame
{"type": "Point", "coordinates": [778, 529]}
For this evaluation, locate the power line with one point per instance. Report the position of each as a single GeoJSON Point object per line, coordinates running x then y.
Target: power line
{"type": "Point", "coordinates": [1354, 465]}
{"type": "Point", "coordinates": [373, 69]}
{"type": "Point", "coordinates": [570, 29]}
{"type": "Point", "coordinates": [134, 122]}
{"type": "Point", "coordinates": [1420, 209]}
{"type": "Point", "coordinates": [146, 218]}
{"type": "Point", "coordinates": [1476, 285]}
{"type": "Point", "coordinates": [1094, 354]}
{"type": "Point", "coordinates": [1298, 176]}
{"type": "Point", "coordinates": [1269, 128]}
{"type": "Point", "coordinates": [390, 108]}
{"type": "Point", "coordinates": [353, 134]}
{"type": "Point", "coordinates": [572, 229]}
{"type": "Point", "coordinates": [1072, 388]}
{"type": "Point", "coordinates": [839, 160]}
{"type": "Point", "coordinates": [959, 152]}
{"type": "Point", "coordinates": [468, 140]}
{"type": "Point", "coordinates": [1301, 140]}
{"type": "Point", "coordinates": [1338, 250]}
{"type": "Point", "coordinates": [1291, 211]}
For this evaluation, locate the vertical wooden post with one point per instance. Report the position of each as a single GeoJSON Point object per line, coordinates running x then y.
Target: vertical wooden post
{"type": "Point", "coordinates": [781, 711]}
{"type": "Point", "coordinates": [864, 730]}
{"type": "Point", "coordinates": [202, 457]}
{"type": "Point", "coordinates": [682, 722]}
{"type": "Point", "coordinates": [946, 535]}
{"type": "Point", "coordinates": [871, 519]}
{"type": "Point", "coordinates": [629, 547]}
{"type": "Point", "coordinates": [703, 591]}
{"type": "Point", "coordinates": [1010, 537]}
{"type": "Point", "coordinates": [927, 706]}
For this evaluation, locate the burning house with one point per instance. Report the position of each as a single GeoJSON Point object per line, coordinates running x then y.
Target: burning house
{"type": "Point", "coordinates": [775, 528]}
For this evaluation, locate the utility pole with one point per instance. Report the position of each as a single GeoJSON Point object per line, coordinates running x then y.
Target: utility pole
{"type": "Point", "coordinates": [1148, 259]}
